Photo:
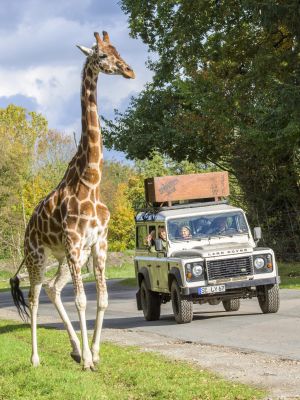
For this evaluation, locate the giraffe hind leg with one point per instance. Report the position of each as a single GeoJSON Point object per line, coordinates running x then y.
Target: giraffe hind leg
{"type": "Point", "coordinates": [36, 269]}
{"type": "Point", "coordinates": [34, 294]}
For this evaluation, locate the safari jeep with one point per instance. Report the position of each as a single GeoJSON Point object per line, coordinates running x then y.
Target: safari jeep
{"type": "Point", "coordinates": [207, 255]}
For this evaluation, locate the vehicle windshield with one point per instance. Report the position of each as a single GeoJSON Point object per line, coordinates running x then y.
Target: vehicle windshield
{"type": "Point", "coordinates": [206, 226]}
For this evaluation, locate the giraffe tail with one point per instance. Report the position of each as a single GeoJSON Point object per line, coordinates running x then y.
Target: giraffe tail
{"type": "Point", "coordinates": [18, 296]}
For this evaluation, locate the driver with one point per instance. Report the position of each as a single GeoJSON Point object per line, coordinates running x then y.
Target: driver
{"type": "Point", "coordinates": [219, 225]}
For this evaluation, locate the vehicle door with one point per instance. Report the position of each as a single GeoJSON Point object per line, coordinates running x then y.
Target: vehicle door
{"type": "Point", "coordinates": [152, 256]}
{"type": "Point", "coordinates": [162, 262]}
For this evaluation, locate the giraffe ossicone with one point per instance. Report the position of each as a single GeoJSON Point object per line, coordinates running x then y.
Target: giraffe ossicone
{"type": "Point", "coordinates": [71, 222]}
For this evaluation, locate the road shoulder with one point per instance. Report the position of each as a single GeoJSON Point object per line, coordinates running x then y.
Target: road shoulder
{"type": "Point", "coordinates": [275, 374]}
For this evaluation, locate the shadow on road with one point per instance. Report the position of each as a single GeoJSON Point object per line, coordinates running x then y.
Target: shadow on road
{"type": "Point", "coordinates": [140, 322]}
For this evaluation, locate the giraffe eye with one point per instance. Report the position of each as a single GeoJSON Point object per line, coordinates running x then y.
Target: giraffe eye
{"type": "Point", "coordinates": [103, 56]}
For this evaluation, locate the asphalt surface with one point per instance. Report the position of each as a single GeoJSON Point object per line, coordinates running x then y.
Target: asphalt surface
{"type": "Point", "coordinates": [277, 334]}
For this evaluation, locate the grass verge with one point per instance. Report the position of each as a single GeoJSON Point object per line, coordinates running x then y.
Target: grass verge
{"type": "Point", "coordinates": [125, 373]}
{"type": "Point", "coordinates": [124, 271]}
{"type": "Point", "coordinates": [4, 279]}
{"type": "Point", "coordinates": [290, 275]}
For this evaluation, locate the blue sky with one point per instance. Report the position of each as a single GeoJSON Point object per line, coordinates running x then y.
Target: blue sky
{"type": "Point", "coordinates": [40, 66]}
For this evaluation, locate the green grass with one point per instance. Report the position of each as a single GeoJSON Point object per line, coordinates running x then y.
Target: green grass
{"type": "Point", "coordinates": [290, 275]}
{"type": "Point", "coordinates": [4, 275]}
{"type": "Point", "coordinates": [124, 373]}
{"type": "Point", "coordinates": [124, 271]}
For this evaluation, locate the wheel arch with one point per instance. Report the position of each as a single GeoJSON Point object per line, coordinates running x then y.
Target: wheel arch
{"type": "Point", "coordinates": [143, 274]}
{"type": "Point", "coordinates": [174, 274]}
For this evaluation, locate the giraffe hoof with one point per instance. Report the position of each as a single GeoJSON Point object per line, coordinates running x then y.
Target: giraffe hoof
{"type": "Point", "coordinates": [89, 368]}
{"type": "Point", "coordinates": [76, 357]}
{"type": "Point", "coordinates": [96, 361]}
{"type": "Point", "coordinates": [35, 361]}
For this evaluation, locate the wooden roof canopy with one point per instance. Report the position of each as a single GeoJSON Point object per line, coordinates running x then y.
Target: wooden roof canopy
{"type": "Point", "coordinates": [184, 188]}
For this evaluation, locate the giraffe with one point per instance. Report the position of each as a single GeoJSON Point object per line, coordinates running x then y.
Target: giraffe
{"type": "Point", "coordinates": [71, 222]}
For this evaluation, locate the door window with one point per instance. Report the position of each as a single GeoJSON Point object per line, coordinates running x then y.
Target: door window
{"type": "Point", "coordinates": [141, 236]}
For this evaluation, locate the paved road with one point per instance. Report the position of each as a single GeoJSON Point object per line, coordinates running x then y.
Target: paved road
{"type": "Point", "coordinates": [249, 329]}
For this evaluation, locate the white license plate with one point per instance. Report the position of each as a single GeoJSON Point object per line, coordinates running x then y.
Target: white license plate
{"type": "Point", "coordinates": [211, 289]}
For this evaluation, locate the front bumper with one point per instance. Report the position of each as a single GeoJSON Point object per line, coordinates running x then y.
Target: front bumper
{"type": "Point", "coordinates": [186, 291]}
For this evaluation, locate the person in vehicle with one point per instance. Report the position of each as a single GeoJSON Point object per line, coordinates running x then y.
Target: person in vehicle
{"type": "Point", "coordinates": [218, 226]}
{"type": "Point", "coordinates": [185, 233]}
{"type": "Point", "coordinates": [149, 240]}
{"type": "Point", "coordinates": [162, 234]}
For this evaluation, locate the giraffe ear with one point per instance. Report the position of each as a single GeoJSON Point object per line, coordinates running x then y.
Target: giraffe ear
{"type": "Point", "coordinates": [105, 37]}
{"type": "Point", "coordinates": [86, 51]}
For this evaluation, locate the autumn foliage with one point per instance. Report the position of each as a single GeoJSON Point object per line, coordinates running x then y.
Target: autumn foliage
{"type": "Point", "coordinates": [33, 163]}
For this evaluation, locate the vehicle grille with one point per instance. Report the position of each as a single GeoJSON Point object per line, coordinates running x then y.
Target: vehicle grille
{"type": "Point", "coordinates": [229, 268]}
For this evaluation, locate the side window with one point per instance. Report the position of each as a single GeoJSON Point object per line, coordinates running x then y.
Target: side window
{"type": "Point", "coordinates": [241, 223]}
{"type": "Point", "coordinates": [141, 235]}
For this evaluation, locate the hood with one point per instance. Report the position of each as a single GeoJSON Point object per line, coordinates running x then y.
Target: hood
{"type": "Point", "coordinates": [214, 250]}
{"type": "Point", "coordinates": [224, 249]}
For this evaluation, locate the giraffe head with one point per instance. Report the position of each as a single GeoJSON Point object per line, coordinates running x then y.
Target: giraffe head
{"type": "Point", "coordinates": [103, 57]}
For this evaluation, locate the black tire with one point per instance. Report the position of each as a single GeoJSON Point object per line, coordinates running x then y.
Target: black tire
{"type": "Point", "coordinates": [231, 304]}
{"type": "Point", "coordinates": [182, 308]}
{"type": "Point", "coordinates": [150, 303]}
{"type": "Point", "coordinates": [268, 298]}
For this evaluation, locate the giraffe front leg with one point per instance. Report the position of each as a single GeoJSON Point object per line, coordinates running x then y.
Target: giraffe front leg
{"type": "Point", "coordinates": [53, 290]}
{"type": "Point", "coordinates": [80, 302]}
{"type": "Point", "coordinates": [99, 258]}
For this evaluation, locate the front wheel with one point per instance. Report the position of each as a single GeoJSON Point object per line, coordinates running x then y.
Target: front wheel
{"type": "Point", "coordinates": [150, 303]}
{"type": "Point", "coordinates": [232, 304]}
{"type": "Point", "coordinates": [182, 308]}
{"type": "Point", "coordinates": [268, 298]}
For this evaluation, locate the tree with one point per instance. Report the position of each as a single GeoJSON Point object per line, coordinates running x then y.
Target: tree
{"type": "Point", "coordinates": [225, 90]}
{"type": "Point", "coordinates": [121, 232]}
{"type": "Point", "coordinates": [19, 131]}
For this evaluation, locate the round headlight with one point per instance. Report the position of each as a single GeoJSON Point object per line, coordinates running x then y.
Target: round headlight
{"type": "Point", "coordinates": [197, 270]}
{"type": "Point", "coordinates": [259, 262]}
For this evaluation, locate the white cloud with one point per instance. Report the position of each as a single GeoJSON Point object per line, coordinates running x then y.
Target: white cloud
{"type": "Point", "coordinates": [40, 60]}
{"type": "Point", "coordinates": [51, 87]}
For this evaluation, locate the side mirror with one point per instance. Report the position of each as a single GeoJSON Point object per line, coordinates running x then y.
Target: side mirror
{"type": "Point", "coordinates": [257, 233]}
{"type": "Point", "coordinates": [158, 245]}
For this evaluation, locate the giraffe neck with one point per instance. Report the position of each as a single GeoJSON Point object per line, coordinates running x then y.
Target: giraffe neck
{"type": "Point", "coordinates": [90, 153]}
